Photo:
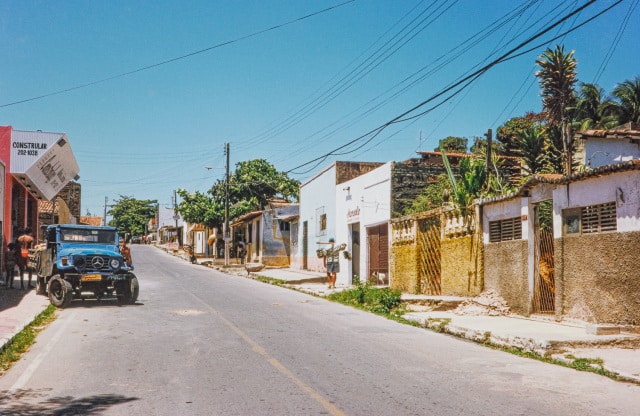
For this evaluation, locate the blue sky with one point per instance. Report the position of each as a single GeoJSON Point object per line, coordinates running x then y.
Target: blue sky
{"type": "Point", "coordinates": [289, 81]}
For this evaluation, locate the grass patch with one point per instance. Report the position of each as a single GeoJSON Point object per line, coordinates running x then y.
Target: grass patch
{"type": "Point", "coordinates": [381, 301]}
{"type": "Point", "coordinates": [590, 365]}
{"type": "Point", "coordinates": [270, 280]}
{"type": "Point", "coordinates": [24, 339]}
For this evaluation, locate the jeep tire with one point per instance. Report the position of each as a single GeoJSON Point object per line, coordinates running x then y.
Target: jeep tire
{"type": "Point", "coordinates": [128, 290]}
{"type": "Point", "coordinates": [60, 292]}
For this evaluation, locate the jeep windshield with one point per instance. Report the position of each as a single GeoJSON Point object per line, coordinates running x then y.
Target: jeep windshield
{"type": "Point", "coordinates": [75, 235]}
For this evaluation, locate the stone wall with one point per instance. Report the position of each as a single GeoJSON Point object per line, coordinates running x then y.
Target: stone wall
{"type": "Point", "coordinates": [408, 180]}
{"type": "Point", "coordinates": [601, 278]}
{"type": "Point", "coordinates": [348, 170]}
{"type": "Point", "coordinates": [506, 271]}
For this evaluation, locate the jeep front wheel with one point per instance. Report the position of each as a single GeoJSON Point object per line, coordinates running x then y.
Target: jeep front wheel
{"type": "Point", "coordinates": [60, 292]}
{"type": "Point", "coordinates": [128, 291]}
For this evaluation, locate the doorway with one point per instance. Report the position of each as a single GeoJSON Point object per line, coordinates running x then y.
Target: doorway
{"type": "Point", "coordinates": [355, 251]}
{"type": "Point", "coordinates": [378, 251]}
{"type": "Point", "coordinates": [543, 273]}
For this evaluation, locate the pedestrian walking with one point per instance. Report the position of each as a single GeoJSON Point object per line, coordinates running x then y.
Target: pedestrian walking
{"type": "Point", "coordinates": [332, 261]}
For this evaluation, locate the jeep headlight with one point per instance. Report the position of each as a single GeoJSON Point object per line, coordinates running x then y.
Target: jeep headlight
{"type": "Point", "coordinates": [114, 263]}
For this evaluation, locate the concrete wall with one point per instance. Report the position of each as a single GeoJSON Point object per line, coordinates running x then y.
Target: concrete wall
{"type": "Point", "coordinates": [600, 281]}
{"type": "Point", "coordinates": [506, 270]}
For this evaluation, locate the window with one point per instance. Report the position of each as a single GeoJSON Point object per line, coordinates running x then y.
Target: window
{"type": "Point", "coordinates": [590, 219]}
{"type": "Point", "coordinates": [505, 230]}
{"type": "Point", "coordinates": [284, 225]}
{"type": "Point", "coordinates": [321, 222]}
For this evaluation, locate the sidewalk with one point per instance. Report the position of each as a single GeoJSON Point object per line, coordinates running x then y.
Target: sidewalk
{"type": "Point", "coordinates": [620, 353]}
{"type": "Point", "coordinates": [566, 342]}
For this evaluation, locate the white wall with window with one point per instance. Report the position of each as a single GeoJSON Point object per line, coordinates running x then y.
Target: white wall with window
{"type": "Point", "coordinates": [317, 218]}
{"type": "Point", "coordinates": [597, 202]}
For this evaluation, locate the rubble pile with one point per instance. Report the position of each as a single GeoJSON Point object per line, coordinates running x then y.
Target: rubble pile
{"type": "Point", "coordinates": [487, 303]}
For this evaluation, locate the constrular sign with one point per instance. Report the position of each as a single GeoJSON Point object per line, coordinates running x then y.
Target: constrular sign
{"type": "Point", "coordinates": [53, 169]}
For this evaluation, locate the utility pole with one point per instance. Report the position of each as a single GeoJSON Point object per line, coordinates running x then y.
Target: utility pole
{"type": "Point", "coordinates": [104, 218]}
{"type": "Point", "coordinates": [227, 234]}
{"type": "Point", "coordinates": [175, 214]}
{"type": "Point", "coordinates": [487, 166]}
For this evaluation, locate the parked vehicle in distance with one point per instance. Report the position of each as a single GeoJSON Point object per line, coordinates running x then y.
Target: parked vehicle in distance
{"type": "Point", "coordinates": [81, 261]}
{"type": "Point", "coordinates": [136, 239]}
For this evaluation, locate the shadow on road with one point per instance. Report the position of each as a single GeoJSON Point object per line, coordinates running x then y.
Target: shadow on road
{"type": "Point", "coordinates": [27, 402]}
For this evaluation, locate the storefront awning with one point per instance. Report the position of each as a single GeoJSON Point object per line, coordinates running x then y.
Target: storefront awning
{"type": "Point", "coordinates": [43, 162]}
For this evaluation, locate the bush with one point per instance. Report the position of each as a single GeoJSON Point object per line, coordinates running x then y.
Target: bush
{"type": "Point", "coordinates": [377, 300]}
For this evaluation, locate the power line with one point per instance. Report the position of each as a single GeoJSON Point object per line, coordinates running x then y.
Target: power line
{"type": "Point", "coordinates": [459, 85]}
{"type": "Point", "coordinates": [168, 61]}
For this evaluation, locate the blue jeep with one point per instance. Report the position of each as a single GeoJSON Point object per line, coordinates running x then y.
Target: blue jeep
{"type": "Point", "coordinates": [79, 261]}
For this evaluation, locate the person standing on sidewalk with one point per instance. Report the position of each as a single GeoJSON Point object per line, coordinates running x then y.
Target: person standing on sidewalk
{"type": "Point", "coordinates": [10, 262]}
{"type": "Point", "coordinates": [25, 242]}
{"type": "Point", "coordinates": [332, 260]}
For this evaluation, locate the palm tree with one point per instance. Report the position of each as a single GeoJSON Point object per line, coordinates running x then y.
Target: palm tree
{"type": "Point", "coordinates": [557, 77]}
{"type": "Point", "coordinates": [532, 145]}
{"type": "Point", "coordinates": [628, 93]}
{"type": "Point", "coordinates": [593, 109]}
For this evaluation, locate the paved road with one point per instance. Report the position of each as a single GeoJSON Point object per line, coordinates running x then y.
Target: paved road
{"type": "Point", "coordinates": [200, 343]}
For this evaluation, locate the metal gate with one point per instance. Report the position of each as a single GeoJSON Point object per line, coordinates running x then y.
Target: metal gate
{"type": "Point", "coordinates": [429, 259]}
{"type": "Point", "coordinates": [543, 275]}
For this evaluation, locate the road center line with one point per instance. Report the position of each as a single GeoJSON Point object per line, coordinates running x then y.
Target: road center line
{"type": "Point", "coordinates": [330, 407]}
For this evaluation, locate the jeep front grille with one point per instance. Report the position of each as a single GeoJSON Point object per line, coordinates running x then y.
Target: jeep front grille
{"type": "Point", "coordinates": [93, 264]}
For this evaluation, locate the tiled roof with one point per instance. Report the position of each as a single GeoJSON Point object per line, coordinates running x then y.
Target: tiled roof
{"type": "Point", "coordinates": [534, 180]}
{"type": "Point", "coordinates": [626, 131]}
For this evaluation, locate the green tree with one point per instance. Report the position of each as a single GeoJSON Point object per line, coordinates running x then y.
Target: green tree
{"type": "Point", "coordinates": [199, 208]}
{"type": "Point", "coordinates": [251, 186]}
{"type": "Point", "coordinates": [508, 134]}
{"type": "Point", "coordinates": [452, 144]}
{"type": "Point", "coordinates": [532, 148]}
{"type": "Point", "coordinates": [470, 183]}
{"type": "Point", "coordinates": [628, 95]}
{"type": "Point", "coordinates": [593, 109]}
{"type": "Point", "coordinates": [557, 77]}
{"type": "Point", "coordinates": [131, 215]}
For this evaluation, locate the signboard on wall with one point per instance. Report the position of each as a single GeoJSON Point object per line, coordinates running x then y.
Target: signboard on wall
{"type": "Point", "coordinates": [353, 214]}
{"type": "Point", "coordinates": [44, 168]}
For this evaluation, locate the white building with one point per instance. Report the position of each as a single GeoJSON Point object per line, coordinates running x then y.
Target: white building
{"type": "Point", "coordinates": [363, 212]}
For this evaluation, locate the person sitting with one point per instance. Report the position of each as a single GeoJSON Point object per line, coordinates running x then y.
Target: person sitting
{"type": "Point", "coordinates": [126, 253]}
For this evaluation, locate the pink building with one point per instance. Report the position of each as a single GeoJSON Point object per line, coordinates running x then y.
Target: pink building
{"type": "Point", "coordinates": [34, 166]}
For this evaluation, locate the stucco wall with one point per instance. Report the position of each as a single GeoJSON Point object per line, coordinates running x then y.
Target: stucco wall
{"type": "Point", "coordinates": [403, 267]}
{"type": "Point", "coordinates": [601, 280]}
{"type": "Point", "coordinates": [462, 272]}
{"type": "Point", "coordinates": [505, 271]}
